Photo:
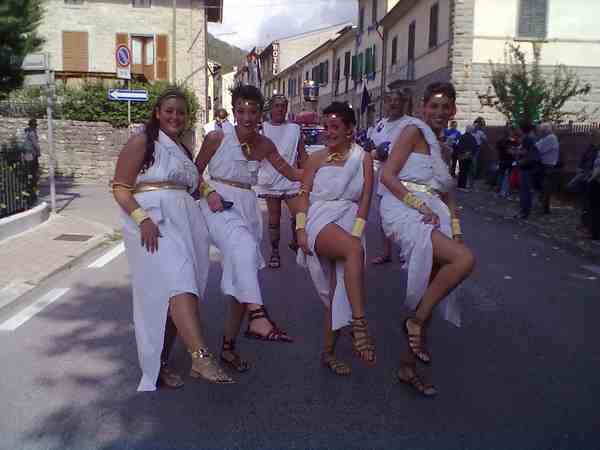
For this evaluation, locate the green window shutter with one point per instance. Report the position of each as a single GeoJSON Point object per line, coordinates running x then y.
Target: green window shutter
{"type": "Point", "coordinates": [360, 66]}
{"type": "Point", "coordinates": [374, 58]}
{"type": "Point", "coordinates": [368, 53]}
{"type": "Point", "coordinates": [354, 66]}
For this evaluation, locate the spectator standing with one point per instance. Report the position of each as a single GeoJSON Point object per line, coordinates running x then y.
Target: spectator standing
{"type": "Point", "coordinates": [482, 141]}
{"type": "Point", "coordinates": [528, 160]}
{"type": "Point", "coordinates": [549, 150]}
{"type": "Point", "coordinates": [32, 150]}
{"type": "Point", "coordinates": [452, 136]}
{"type": "Point", "coordinates": [465, 149]}
{"type": "Point", "coordinates": [593, 191]}
{"type": "Point", "coordinates": [505, 161]}
{"type": "Point", "coordinates": [580, 182]}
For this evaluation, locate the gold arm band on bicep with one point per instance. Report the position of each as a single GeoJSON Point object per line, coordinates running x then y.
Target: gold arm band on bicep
{"type": "Point", "coordinates": [359, 227]}
{"type": "Point", "coordinates": [300, 221]}
{"type": "Point", "coordinates": [118, 186]}
{"type": "Point", "coordinates": [139, 215]}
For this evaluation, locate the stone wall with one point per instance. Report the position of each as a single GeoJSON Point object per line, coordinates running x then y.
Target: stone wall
{"type": "Point", "coordinates": [85, 151]}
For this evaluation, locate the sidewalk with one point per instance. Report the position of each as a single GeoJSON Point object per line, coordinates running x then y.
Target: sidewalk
{"type": "Point", "coordinates": [29, 258]}
{"type": "Point", "coordinates": [560, 226]}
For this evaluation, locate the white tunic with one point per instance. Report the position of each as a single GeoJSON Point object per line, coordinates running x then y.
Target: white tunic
{"type": "Point", "coordinates": [212, 126]}
{"type": "Point", "coordinates": [236, 232]}
{"type": "Point", "coordinates": [334, 199]}
{"type": "Point", "coordinates": [404, 225]}
{"type": "Point", "coordinates": [385, 133]}
{"type": "Point", "coordinates": [286, 138]}
{"type": "Point", "coordinates": [181, 263]}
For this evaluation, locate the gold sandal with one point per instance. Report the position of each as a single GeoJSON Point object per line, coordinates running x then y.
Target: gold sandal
{"type": "Point", "coordinates": [337, 367]}
{"type": "Point", "coordinates": [210, 369]}
{"type": "Point", "coordinates": [362, 345]}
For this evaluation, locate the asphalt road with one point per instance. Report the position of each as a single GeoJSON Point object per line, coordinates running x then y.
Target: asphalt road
{"type": "Point", "coordinates": [521, 373]}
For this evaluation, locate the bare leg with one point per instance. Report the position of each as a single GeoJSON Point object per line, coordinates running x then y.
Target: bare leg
{"type": "Point", "coordinates": [185, 314]}
{"type": "Point", "coordinates": [330, 338]}
{"type": "Point", "coordinates": [168, 377]}
{"type": "Point", "coordinates": [233, 322]}
{"type": "Point", "coordinates": [274, 212]}
{"type": "Point", "coordinates": [336, 244]}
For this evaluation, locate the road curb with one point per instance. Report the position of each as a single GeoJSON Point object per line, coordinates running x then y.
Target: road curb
{"type": "Point", "coordinates": [12, 294]}
{"type": "Point", "coordinates": [21, 222]}
{"type": "Point", "coordinates": [571, 248]}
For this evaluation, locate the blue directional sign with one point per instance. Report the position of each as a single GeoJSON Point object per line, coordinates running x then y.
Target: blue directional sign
{"type": "Point", "coordinates": [132, 95]}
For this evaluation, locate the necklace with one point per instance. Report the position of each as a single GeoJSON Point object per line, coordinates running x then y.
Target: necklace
{"type": "Point", "coordinates": [338, 156]}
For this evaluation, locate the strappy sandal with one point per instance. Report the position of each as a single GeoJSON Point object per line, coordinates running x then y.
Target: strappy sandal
{"type": "Point", "coordinates": [416, 341]}
{"type": "Point", "coordinates": [275, 261]}
{"type": "Point", "coordinates": [414, 381]}
{"type": "Point", "coordinates": [337, 367]}
{"type": "Point", "coordinates": [362, 345]}
{"type": "Point", "coordinates": [380, 260]}
{"type": "Point", "coordinates": [169, 378]}
{"type": "Point", "coordinates": [275, 335]}
{"type": "Point", "coordinates": [236, 362]}
{"type": "Point", "coordinates": [210, 369]}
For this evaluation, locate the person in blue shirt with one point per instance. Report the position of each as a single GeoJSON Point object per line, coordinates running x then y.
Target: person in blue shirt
{"type": "Point", "coordinates": [452, 136]}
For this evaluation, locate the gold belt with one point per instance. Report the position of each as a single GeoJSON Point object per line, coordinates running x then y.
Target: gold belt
{"type": "Point", "coordinates": [235, 184]}
{"type": "Point", "coordinates": [158, 186]}
{"type": "Point", "coordinates": [417, 187]}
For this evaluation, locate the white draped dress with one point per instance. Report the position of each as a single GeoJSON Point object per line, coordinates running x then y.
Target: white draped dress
{"type": "Point", "coordinates": [403, 224]}
{"type": "Point", "coordinates": [334, 199]}
{"type": "Point", "coordinates": [181, 263]}
{"type": "Point", "coordinates": [271, 183]}
{"type": "Point", "coordinates": [236, 232]}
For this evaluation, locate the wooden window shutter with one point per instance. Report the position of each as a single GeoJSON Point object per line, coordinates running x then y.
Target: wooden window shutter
{"type": "Point", "coordinates": [532, 19]}
{"type": "Point", "coordinates": [75, 51]}
{"type": "Point", "coordinates": [122, 39]}
{"type": "Point", "coordinates": [162, 57]}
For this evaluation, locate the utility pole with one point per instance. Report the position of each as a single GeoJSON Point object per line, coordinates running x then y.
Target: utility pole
{"type": "Point", "coordinates": [51, 159]}
{"type": "Point", "coordinates": [174, 45]}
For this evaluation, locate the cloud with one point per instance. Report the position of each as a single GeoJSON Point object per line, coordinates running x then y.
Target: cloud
{"type": "Point", "coordinates": [250, 23]}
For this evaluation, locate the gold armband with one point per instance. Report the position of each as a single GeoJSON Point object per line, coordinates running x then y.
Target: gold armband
{"type": "Point", "coordinates": [413, 201]}
{"type": "Point", "coordinates": [118, 186]}
{"type": "Point", "coordinates": [139, 215]}
{"type": "Point", "coordinates": [359, 227]}
{"type": "Point", "coordinates": [300, 221]}
{"type": "Point", "coordinates": [456, 231]}
{"type": "Point", "coordinates": [205, 189]}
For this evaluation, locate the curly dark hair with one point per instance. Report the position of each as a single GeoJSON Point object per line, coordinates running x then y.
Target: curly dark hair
{"type": "Point", "coordinates": [247, 92]}
{"type": "Point", "coordinates": [344, 110]}
{"type": "Point", "coordinates": [152, 126]}
{"type": "Point", "coordinates": [439, 87]}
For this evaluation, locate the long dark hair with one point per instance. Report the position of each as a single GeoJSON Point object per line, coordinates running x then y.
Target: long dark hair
{"type": "Point", "coordinates": [152, 126]}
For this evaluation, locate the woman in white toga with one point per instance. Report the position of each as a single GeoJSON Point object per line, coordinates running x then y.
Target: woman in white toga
{"type": "Point", "coordinates": [234, 218]}
{"type": "Point", "coordinates": [336, 195]}
{"type": "Point", "coordinates": [166, 242]}
{"type": "Point", "coordinates": [418, 212]}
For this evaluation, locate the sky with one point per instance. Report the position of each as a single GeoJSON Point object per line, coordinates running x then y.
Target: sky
{"type": "Point", "coordinates": [250, 23]}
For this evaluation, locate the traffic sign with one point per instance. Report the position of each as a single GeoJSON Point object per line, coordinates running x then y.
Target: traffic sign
{"type": "Point", "coordinates": [128, 95]}
{"type": "Point", "coordinates": [123, 58]}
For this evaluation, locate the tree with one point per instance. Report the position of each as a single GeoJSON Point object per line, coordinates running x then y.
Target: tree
{"type": "Point", "coordinates": [522, 92]}
{"type": "Point", "coordinates": [19, 20]}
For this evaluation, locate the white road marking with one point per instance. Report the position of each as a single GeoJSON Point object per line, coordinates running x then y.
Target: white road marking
{"type": "Point", "coordinates": [108, 257]}
{"type": "Point", "coordinates": [13, 291]}
{"type": "Point", "coordinates": [19, 319]}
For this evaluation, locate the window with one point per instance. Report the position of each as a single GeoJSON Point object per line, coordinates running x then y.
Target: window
{"type": "Point", "coordinates": [434, 13]}
{"type": "Point", "coordinates": [325, 77]}
{"type": "Point", "coordinates": [368, 61]}
{"type": "Point", "coordinates": [411, 40]}
{"type": "Point", "coordinates": [141, 3]}
{"type": "Point", "coordinates": [299, 84]}
{"type": "Point", "coordinates": [73, 2]}
{"type": "Point", "coordinates": [360, 66]}
{"type": "Point", "coordinates": [142, 49]}
{"type": "Point", "coordinates": [361, 20]}
{"type": "Point", "coordinates": [346, 64]}
{"type": "Point", "coordinates": [394, 50]}
{"type": "Point", "coordinates": [354, 67]}
{"type": "Point", "coordinates": [307, 76]}
{"type": "Point", "coordinates": [533, 18]}
{"type": "Point", "coordinates": [75, 51]}
{"type": "Point", "coordinates": [374, 13]}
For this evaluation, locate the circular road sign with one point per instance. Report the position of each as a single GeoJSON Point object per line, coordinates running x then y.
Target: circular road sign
{"type": "Point", "coordinates": [123, 56]}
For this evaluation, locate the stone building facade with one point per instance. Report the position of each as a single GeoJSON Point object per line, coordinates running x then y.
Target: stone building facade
{"type": "Point", "coordinates": [81, 37]}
